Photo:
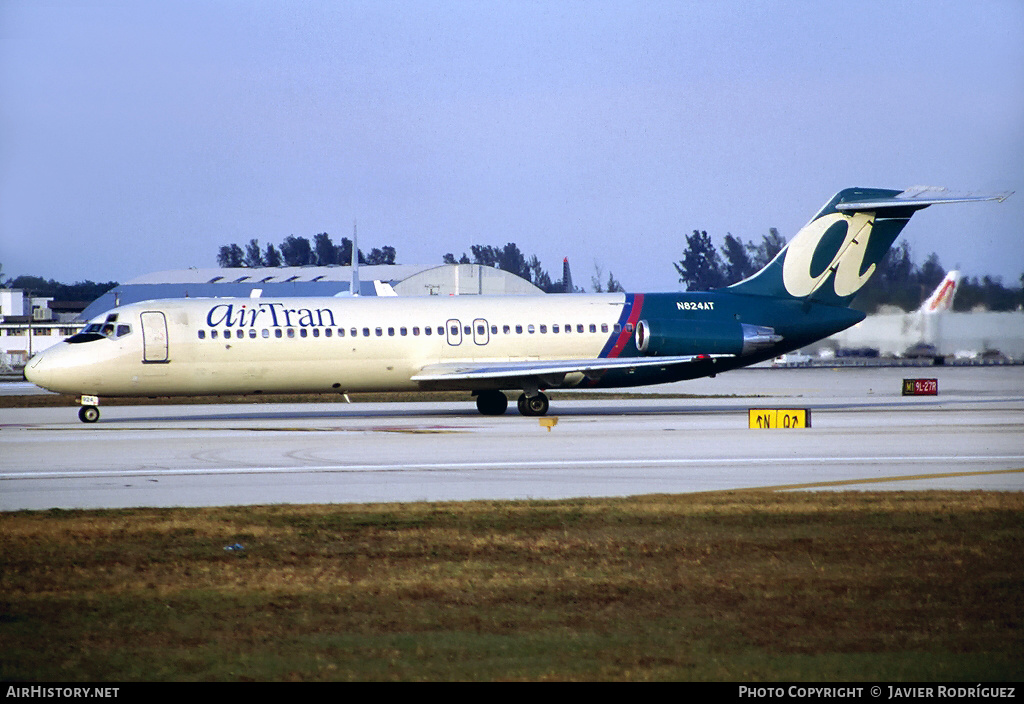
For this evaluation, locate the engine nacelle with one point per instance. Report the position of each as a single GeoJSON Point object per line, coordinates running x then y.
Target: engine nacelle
{"type": "Point", "coordinates": [682, 337]}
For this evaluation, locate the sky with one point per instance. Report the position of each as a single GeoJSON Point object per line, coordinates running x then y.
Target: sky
{"type": "Point", "coordinates": [141, 136]}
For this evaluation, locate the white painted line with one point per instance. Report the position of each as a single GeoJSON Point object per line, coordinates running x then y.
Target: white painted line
{"type": "Point", "coordinates": [520, 464]}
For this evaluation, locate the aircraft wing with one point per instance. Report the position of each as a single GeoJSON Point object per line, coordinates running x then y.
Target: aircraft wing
{"type": "Point", "coordinates": [548, 371]}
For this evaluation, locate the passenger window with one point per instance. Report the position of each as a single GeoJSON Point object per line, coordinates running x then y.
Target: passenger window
{"type": "Point", "coordinates": [278, 332]}
{"type": "Point", "coordinates": [554, 328]}
{"type": "Point", "coordinates": [480, 330]}
{"type": "Point", "coordinates": [366, 332]}
{"type": "Point", "coordinates": [579, 328]}
{"type": "Point", "coordinates": [252, 333]}
{"type": "Point", "coordinates": [428, 330]}
{"type": "Point", "coordinates": [303, 332]}
{"type": "Point", "coordinates": [455, 330]}
{"type": "Point", "coordinates": [506, 329]}
{"type": "Point", "coordinates": [604, 327]}
{"type": "Point", "coordinates": [467, 330]}
{"type": "Point", "coordinates": [543, 329]}
{"type": "Point", "coordinates": [530, 329]}
{"type": "Point", "coordinates": [617, 328]}
{"type": "Point", "coordinates": [494, 329]}
{"type": "Point", "coordinates": [291, 332]}
{"type": "Point", "coordinates": [213, 334]}
{"type": "Point", "coordinates": [593, 328]}
{"type": "Point", "coordinates": [379, 331]}
{"type": "Point", "coordinates": [519, 329]}
{"type": "Point", "coordinates": [265, 333]}
{"type": "Point", "coordinates": [391, 332]}
{"type": "Point", "coordinates": [416, 332]}
{"type": "Point", "coordinates": [328, 332]}
{"type": "Point", "coordinates": [403, 332]}
{"type": "Point", "coordinates": [227, 334]}
{"type": "Point", "coordinates": [202, 334]}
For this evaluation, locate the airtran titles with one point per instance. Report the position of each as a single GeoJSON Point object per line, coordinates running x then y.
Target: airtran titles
{"type": "Point", "coordinates": [270, 314]}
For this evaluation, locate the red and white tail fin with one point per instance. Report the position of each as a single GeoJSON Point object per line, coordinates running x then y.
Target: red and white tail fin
{"type": "Point", "coordinates": [941, 299]}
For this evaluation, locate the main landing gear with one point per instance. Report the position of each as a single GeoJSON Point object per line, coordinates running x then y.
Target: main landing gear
{"type": "Point", "coordinates": [536, 405]}
{"type": "Point", "coordinates": [494, 403]}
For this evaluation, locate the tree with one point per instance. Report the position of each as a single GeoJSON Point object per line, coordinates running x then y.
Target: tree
{"type": "Point", "coordinates": [737, 260]}
{"type": "Point", "coordinates": [931, 273]}
{"type": "Point", "coordinates": [271, 257]}
{"type": "Point", "coordinates": [78, 291]}
{"type": "Point", "coordinates": [231, 256]}
{"type": "Point", "coordinates": [296, 251]}
{"type": "Point", "coordinates": [771, 245]}
{"type": "Point", "coordinates": [253, 256]}
{"type": "Point", "coordinates": [701, 267]}
{"type": "Point", "coordinates": [325, 252]}
{"type": "Point", "coordinates": [538, 277]}
{"type": "Point", "coordinates": [384, 255]}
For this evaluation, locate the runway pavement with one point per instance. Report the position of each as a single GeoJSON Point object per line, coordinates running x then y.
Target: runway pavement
{"type": "Point", "coordinates": [864, 435]}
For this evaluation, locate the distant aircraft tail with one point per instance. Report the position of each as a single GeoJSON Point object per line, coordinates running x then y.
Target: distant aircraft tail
{"type": "Point", "coordinates": [833, 256]}
{"type": "Point", "coordinates": [941, 299]}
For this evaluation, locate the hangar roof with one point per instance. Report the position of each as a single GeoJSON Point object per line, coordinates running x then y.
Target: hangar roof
{"type": "Point", "coordinates": [274, 282]}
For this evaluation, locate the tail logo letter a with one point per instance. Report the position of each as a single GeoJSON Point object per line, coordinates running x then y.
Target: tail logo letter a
{"type": "Point", "coordinates": [797, 276]}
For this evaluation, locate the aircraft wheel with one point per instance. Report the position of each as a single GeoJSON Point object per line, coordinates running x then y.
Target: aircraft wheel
{"type": "Point", "coordinates": [88, 414]}
{"type": "Point", "coordinates": [491, 403]}
{"type": "Point", "coordinates": [533, 405]}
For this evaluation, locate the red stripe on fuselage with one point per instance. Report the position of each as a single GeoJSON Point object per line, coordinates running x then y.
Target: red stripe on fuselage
{"type": "Point", "coordinates": [626, 332]}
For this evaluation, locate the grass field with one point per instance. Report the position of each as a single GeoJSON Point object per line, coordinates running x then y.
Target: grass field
{"type": "Point", "coordinates": [721, 586]}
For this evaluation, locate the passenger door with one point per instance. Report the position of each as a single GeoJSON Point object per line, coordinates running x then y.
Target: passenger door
{"type": "Point", "coordinates": [154, 338]}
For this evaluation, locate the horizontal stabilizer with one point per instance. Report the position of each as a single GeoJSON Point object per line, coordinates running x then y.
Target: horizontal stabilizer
{"type": "Point", "coordinates": [919, 197]}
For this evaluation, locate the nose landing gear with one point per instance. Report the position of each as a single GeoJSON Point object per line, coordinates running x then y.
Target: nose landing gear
{"type": "Point", "coordinates": [90, 410]}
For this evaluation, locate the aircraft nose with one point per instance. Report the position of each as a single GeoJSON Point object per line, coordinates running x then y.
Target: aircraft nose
{"type": "Point", "coordinates": [36, 370]}
{"type": "Point", "coordinates": [53, 370]}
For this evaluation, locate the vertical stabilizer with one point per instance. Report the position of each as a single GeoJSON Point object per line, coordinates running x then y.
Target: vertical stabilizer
{"type": "Point", "coordinates": [941, 299]}
{"type": "Point", "coordinates": [833, 256]}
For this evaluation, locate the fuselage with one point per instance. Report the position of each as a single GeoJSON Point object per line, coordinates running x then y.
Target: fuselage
{"type": "Point", "coordinates": [237, 345]}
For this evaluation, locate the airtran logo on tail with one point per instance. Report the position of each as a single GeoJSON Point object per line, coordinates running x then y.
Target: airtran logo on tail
{"type": "Point", "coordinates": [834, 242]}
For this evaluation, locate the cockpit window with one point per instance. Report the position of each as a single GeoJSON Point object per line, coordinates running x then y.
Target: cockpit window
{"type": "Point", "coordinates": [101, 331]}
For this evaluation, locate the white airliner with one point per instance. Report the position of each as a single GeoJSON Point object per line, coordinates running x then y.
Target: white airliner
{"type": "Point", "coordinates": [488, 344]}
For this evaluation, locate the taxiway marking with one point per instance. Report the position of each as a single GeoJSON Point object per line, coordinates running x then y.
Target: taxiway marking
{"type": "Point", "coordinates": [543, 464]}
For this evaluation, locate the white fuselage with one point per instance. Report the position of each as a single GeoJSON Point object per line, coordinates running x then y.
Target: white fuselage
{"type": "Point", "coordinates": [237, 345]}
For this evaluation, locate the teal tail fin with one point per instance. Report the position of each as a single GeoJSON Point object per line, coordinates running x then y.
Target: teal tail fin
{"type": "Point", "coordinates": [833, 256]}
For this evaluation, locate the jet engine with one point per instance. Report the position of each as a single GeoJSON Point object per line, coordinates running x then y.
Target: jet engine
{"type": "Point", "coordinates": [678, 337]}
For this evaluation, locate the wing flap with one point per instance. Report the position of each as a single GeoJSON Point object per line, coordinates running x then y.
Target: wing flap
{"type": "Point", "coordinates": [592, 368]}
